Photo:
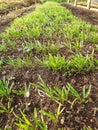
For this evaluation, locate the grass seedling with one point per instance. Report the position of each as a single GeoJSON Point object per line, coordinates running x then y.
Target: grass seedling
{"type": "Point", "coordinates": [6, 109]}
{"type": "Point", "coordinates": [5, 88]}
{"type": "Point", "coordinates": [52, 62]}
{"type": "Point", "coordinates": [11, 43]}
{"type": "Point", "coordinates": [25, 124]}
{"type": "Point", "coordinates": [62, 95]}
{"type": "Point", "coordinates": [75, 64]}
{"type": "Point", "coordinates": [80, 63]}
{"type": "Point", "coordinates": [59, 95]}
{"type": "Point", "coordinates": [82, 98]}
{"type": "Point", "coordinates": [15, 63]}
{"type": "Point", "coordinates": [3, 47]}
{"type": "Point", "coordinates": [78, 45]}
{"type": "Point", "coordinates": [87, 128]}
{"type": "Point", "coordinates": [85, 93]}
{"type": "Point", "coordinates": [20, 62]}
{"type": "Point", "coordinates": [25, 92]}
{"type": "Point", "coordinates": [39, 123]}
{"type": "Point", "coordinates": [52, 116]}
{"type": "Point", "coordinates": [28, 46]}
{"type": "Point", "coordinates": [1, 63]}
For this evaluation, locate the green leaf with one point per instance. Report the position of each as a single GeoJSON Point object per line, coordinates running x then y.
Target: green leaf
{"type": "Point", "coordinates": [73, 91]}
{"type": "Point", "coordinates": [86, 93]}
{"type": "Point", "coordinates": [49, 114]}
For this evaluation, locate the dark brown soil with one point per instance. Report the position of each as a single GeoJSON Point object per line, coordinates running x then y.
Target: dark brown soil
{"type": "Point", "coordinates": [81, 115]}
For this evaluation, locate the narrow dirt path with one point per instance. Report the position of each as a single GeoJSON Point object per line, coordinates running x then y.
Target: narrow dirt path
{"type": "Point", "coordinates": [86, 15]}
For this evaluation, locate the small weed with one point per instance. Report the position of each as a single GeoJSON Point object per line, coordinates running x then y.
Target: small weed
{"type": "Point", "coordinates": [20, 62]}
{"type": "Point", "coordinates": [16, 63]}
{"type": "Point", "coordinates": [52, 116]}
{"type": "Point", "coordinates": [87, 128]}
{"type": "Point", "coordinates": [3, 47]}
{"type": "Point", "coordinates": [80, 63]}
{"type": "Point", "coordinates": [25, 92]}
{"type": "Point", "coordinates": [5, 88]}
{"type": "Point", "coordinates": [25, 124]}
{"type": "Point", "coordinates": [62, 95]}
{"type": "Point", "coordinates": [75, 64]}
{"type": "Point", "coordinates": [52, 62]}
{"type": "Point", "coordinates": [85, 93]}
{"type": "Point", "coordinates": [6, 109]}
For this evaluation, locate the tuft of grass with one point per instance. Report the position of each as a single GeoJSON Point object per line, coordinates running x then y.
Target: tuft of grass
{"type": "Point", "coordinates": [5, 88]}
{"type": "Point", "coordinates": [52, 116]}
{"type": "Point", "coordinates": [62, 95]}
{"type": "Point", "coordinates": [3, 47]}
{"type": "Point", "coordinates": [75, 64]}
{"type": "Point", "coordinates": [25, 124]}
{"type": "Point", "coordinates": [52, 62]}
{"type": "Point", "coordinates": [6, 109]}
{"type": "Point", "coordinates": [81, 63]}
{"type": "Point", "coordinates": [20, 62]}
{"type": "Point", "coordinates": [29, 46]}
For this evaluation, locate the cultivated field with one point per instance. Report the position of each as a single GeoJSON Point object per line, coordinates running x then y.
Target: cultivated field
{"type": "Point", "coordinates": [49, 69]}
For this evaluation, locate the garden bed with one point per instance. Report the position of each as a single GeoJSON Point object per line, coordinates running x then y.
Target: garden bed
{"type": "Point", "coordinates": [49, 72]}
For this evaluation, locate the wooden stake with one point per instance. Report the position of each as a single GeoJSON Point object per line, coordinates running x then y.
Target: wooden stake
{"type": "Point", "coordinates": [88, 4]}
{"type": "Point", "coordinates": [75, 3]}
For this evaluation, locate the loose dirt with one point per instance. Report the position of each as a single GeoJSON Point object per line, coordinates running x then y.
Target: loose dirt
{"type": "Point", "coordinates": [80, 116]}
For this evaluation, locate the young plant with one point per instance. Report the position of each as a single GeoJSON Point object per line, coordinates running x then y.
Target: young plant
{"type": "Point", "coordinates": [52, 116]}
{"type": "Point", "coordinates": [52, 62]}
{"type": "Point", "coordinates": [3, 47]}
{"type": "Point", "coordinates": [11, 43]}
{"type": "Point", "coordinates": [39, 123]}
{"type": "Point", "coordinates": [60, 95]}
{"type": "Point", "coordinates": [87, 128]}
{"type": "Point", "coordinates": [25, 124]}
{"type": "Point", "coordinates": [25, 92]}
{"type": "Point", "coordinates": [1, 63]}
{"type": "Point", "coordinates": [85, 93]}
{"type": "Point", "coordinates": [78, 46]}
{"type": "Point", "coordinates": [15, 63]}
{"type": "Point", "coordinates": [6, 109]}
{"type": "Point", "coordinates": [28, 46]}
{"type": "Point", "coordinates": [20, 62]}
{"type": "Point", "coordinates": [5, 88]}
{"type": "Point", "coordinates": [80, 63]}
